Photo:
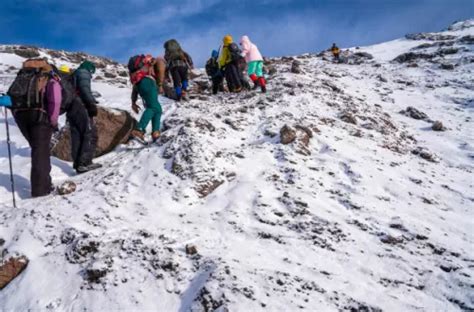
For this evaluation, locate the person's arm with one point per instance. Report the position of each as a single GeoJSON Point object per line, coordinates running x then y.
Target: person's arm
{"type": "Point", "coordinates": [135, 107]}
{"type": "Point", "coordinates": [223, 57]}
{"type": "Point", "coordinates": [245, 49]}
{"type": "Point", "coordinates": [83, 81]}
{"type": "Point", "coordinates": [54, 99]}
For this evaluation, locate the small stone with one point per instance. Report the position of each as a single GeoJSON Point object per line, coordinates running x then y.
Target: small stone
{"type": "Point", "coordinates": [287, 135]}
{"type": "Point", "coordinates": [438, 126]}
{"type": "Point", "coordinates": [66, 188]}
{"type": "Point", "coordinates": [191, 250]}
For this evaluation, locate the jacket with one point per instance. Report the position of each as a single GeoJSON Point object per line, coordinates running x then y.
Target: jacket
{"type": "Point", "coordinates": [249, 50]}
{"type": "Point", "coordinates": [225, 57]}
{"type": "Point", "coordinates": [54, 99]}
{"type": "Point", "coordinates": [83, 79]}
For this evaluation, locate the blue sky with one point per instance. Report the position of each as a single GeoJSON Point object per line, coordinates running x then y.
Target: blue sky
{"type": "Point", "coordinates": [119, 29]}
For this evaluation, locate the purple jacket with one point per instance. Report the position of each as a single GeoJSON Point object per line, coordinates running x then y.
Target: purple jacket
{"type": "Point", "coordinates": [53, 99]}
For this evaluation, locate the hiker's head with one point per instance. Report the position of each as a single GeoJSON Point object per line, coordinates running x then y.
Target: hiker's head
{"type": "Point", "coordinates": [89, 66]}
{"type": "Point", "coordinates": [227, 40]}
{"type": "Point", "coordinates": [244, 40]}
{"type": "Point", "coordinates": [64, 69]}
{"type": "Point", "coordinates": [214, 54]}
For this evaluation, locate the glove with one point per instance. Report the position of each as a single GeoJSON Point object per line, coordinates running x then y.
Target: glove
{"type": "Point", "coordinates": [92, 111]}
{"type": "Point", "coordinates": [135, 108]}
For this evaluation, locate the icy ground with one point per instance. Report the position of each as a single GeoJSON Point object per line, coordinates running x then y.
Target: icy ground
{"type": "Point", "coordinates": [365, 208]}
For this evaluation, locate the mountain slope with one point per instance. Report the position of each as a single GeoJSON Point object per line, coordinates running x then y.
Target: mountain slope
{"type": "Point", "coordinates": [318, 195]}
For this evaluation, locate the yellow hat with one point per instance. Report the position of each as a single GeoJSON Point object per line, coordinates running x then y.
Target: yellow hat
{"type": "Point", "coordinates": [228, 40]}
{"type": "Point", "coordinates": [64, 69]}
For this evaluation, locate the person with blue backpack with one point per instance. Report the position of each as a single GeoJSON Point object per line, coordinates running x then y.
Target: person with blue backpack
{"type": "Point", "coordinates": [214, 73]}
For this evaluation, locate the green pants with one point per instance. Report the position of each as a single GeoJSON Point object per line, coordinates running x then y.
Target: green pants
{"type": "Point", "coordinates": [149, 94]}
{"type": "Point", "coordinates": [255, 67]}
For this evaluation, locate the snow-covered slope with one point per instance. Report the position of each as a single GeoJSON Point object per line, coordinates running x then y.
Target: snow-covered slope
{"type": "Point", "coordinates": [365, 208]}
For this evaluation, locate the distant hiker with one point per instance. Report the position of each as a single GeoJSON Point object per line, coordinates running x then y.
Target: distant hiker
{"type": "Point", "coordinates": [178, 64]}
{"type": "Point", "coordinates": [214, 73]}
{"type": "Point", "coordinates": [229, 64]}
{"type": "Point", "coordinates": [81, 122]}
{"type": "Point", "coordinates": [254, 60]}
{"type": "Point", "coordinates": [34, 110]}
{"type": "Point", "coordinates": [335, 52]}
{"type": "Point", "coordinates": [143, 78]}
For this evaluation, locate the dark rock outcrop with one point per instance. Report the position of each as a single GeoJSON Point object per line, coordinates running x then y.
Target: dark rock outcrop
{"type": "Point", "coordinates": [113, 128]}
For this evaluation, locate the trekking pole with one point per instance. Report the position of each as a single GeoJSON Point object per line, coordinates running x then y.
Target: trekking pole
{"type": "Point", "coordinates": [5, 101]}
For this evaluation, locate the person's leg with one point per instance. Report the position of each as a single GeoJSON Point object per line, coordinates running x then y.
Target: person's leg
{"type": "Point", "coordinates": [184, 73]}
{"type": "Point", "coordinates": [261, 79]}
{"type": "Point", "coordinates": [149, 94]}
{"type": "Point", "coordinates": [251, 71]}
{"type": "Point", "coordinates": [215, 85]}
{"type": "Point", "coordinates": [85, 133]}
{"type": "Point", "coordinates": [90, 142]}
{"type": "Point", "coordinates": [40, 161]}
{"type": "Point", "coordinates": [228, 78]}
{"type": "Point", "coordinates": [72, 117]}
{"type": "Point", "coordinates": [175, 74]}
{"type": "Point", "coordinates": [236, 77]}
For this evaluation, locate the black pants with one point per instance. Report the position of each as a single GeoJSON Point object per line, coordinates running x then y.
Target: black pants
{"type": "Point", "coordinates": [217, 84]}
{"type": "Point", "coordinates": [35, 127]}
{"type": "Point", "coordinates": [83, 134]}
{"type": "Point", "coordinates": [180, 76]}
{"type": "Point", "coordinates": [232, 77]}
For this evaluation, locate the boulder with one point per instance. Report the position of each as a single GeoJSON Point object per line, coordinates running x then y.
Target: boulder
{"type": "Point", "coordinates": [295, 67]}
{"type": "Point", "coordinates": [414, 113]}
{"type": "Point", "coordinates": [287, 135]}
{"type": "Point", "coordinates": [113, 128]}
{"type": "Point", "coordinates": [10, 269]}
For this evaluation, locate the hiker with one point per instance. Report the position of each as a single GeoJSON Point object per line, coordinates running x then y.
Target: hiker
{"type": "Point", "coordinates": [178, 64]}
{"type": "Point", "coordinates": [214, 73]}
{"type": "Point", "coordinates": [143, 78]}
{"type": "Point", "coordinates": [35, 113]}
{"type": "Point", "coordinates": [81, 119]}
{"type": "Point", "coordinates": [335, 52]}
{"type": "Point", "coordinates": [228, 63]}
{"type": "Point", "coordinates": [254, 60]}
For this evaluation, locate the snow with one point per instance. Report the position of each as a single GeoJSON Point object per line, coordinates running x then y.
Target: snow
{"type": "Point", "coordinates": [360, 222]}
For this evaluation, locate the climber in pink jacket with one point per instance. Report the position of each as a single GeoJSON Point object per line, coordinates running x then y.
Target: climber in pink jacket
{"type": "Point", "coordinates": [254, 60]}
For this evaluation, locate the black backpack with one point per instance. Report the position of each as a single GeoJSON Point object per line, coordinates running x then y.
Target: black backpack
{"type": "Point", "coordinates": [27, 90]}
{"type": "Point", "coordinates": [68, 90]}
{"type": "Point", "coordinates": [235, 52]}
{"type": "Point", "coordinates": [212, 67]}
{"type": "Point", "coordinates": [136, 63]}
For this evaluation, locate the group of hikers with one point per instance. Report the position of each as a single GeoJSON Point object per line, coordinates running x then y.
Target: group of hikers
{"type": "Point", "coordinates": [41, 92]}
{"type": "Point", "coordinates": [148, 74]}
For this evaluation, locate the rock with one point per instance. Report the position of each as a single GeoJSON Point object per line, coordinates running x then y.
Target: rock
{"type": "Point", "coordinates": [207, 187]}
{"type": "Point", "coordinates": [113, 128]}
{"type": "Point", "coordinates": [10, 269]}
{"type": "Point", "coordinates": [348, 117]}
{"type": "Point", "coordinates": [109, 74]}
{"type": "Point", "coordinates": [272, 70]}
{"type": "Point", "coordinates": [438, 126]}
{"type": "Point", "coordinates": [191, 250]}
{"type": "Point", "coordinates": [27, 52]}
{"type": "Point", "coordinates": [295, 67]}
{"type": "Point", "coordinates": [382, 78]}
{"type": "Point", "coordinates": [287, 135]}
{"type": "Point", "coordinates": [66, 188]}
{"type": "Point", "coordinates": [429, 36]}
{"type": "Point", "coordinates": [414, 113]}
{"type": "Point", "coordinates": [364, 55]}
{"type": "Point", "coordinates": [425, 154]}
{"type": "Point", "coordinates": [447, 66]}
{"type": "Point", "coordinates": [411, 56]}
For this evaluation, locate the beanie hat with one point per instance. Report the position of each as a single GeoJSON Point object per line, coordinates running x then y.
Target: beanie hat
{"type": "Point", "coordinates": [228, 40]}
{"type": "Point", "coordinates": [88, 65]}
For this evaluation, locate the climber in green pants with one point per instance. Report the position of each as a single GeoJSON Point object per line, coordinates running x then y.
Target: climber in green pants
{"type": "Point", "coordinates": [147, 90]}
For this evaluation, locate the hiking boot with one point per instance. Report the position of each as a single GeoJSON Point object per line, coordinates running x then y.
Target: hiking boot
{"type": "Point", "coordinates": [85, 168]}
{"type": "Point", "coordinates": [155, 135]}
{"type": "Point", "coordinates": [137, 134]}
{"type": "Point", "coordinates": [262, 84]}
{"type": "Point", "coordinates": [237, 90]}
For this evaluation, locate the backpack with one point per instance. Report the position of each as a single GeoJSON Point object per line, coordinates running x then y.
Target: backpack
{"type": "Point", "coordinates": [135, 63]}
{"type": "Point", "coordinates": [235, 52]}
{"type": "Point", "coordinates": [173, 50]}
{"type": "Point", "coordinates": [68, 90]}
{"type": "Point", "coordinates": [212, 67]}
{"type": "Point", "coordinates": [28, 88]}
